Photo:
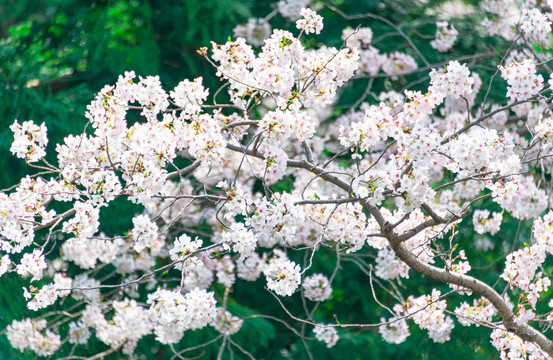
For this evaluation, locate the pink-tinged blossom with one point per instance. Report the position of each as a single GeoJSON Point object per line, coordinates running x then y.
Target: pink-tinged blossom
{"type": "Point", "coordinates": [395, 331]}
{"type": "Point", "coordinates": [371, 60]}
{"type": "Point", "coordinates": [388, 266]}
{"type": "Point", "coordinates": [250, 268]}
{"type": "Point", "coordinates": [190, 95]}
{"type": "Point", "coordinates": [399, 63]}
{"type": "Point", "coordinates": [310, 21]}
{"type": "Point", "coordinates": [326, 334]}
{"type": "Point", "coordinates": [240, 239]}
{"type": "Point", "coordinates": [79, 333]}
{"type": "Point", "coordinates": [290, 9]}
{"type": "Point", "coordinates": [194, 310]}
{"type": "Point", "coordinates": [31, 334]}
{"type": "Point", "coordinates": [316, 287]}
{"type": "Point", "coordinates": [376, 125]}
{"type": "Point", "coordinates": [150, 94]}
{"type": "Point", "coordinates": [32, 264]}
{"type": "Point", "coordinates": [226, 323]}
{"type": "Point", "coordinates": [203, 138]}
{"type": "Point", "coordinates": [453, 80]}
{"type": "Point", "coordinates": [446, 35]}
{"type": "Point", "coordinates": [360, 38]}
{"type": "Point", "coordinates": [144, 232]}
{"type": "Point", "coordinates": [511, 346]}
{"type": "Point", "coordinates": [522, 80]}
{"type": "Point", "coordinates": [29, 141]}
{"type": "Point", "coordinates": [283, 276]}
{"type": "Point", "coordinates": [520, 197]}
{"type": "Point", "coordinates": [481, 312]}
{"type": "Point", "coordinates": [537, 25]}
{"type": "Point", "coordinates": [255, 31]}
{"type": "Point", "coordinates": [277, 221]}
{"type": "Point", "coordinates": [182, 251]}
{"type": "Point", "coordinates": [483, 223]}
{"type": "Point", "coordinates": [427, 311]}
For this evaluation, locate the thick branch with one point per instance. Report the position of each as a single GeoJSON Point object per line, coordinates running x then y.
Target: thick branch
{"type": "Point", "coordinates": [524, 331]}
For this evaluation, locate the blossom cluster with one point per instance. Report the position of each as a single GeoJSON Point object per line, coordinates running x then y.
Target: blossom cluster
{"type": "Point", "coordinates": [30, 141]}
{"type": "Point", "coordinates": [446, 35]}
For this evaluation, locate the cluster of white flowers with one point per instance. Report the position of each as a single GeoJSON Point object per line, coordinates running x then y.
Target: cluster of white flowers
{"type": "Point", "coordinates": [255, 31]}
{"type": "Point", "coordinates": [388, 266]}
{"type": "Point", "coordinates": [415, 189]}
{"type": "Point", "coordinates": [182, 250]}
{"type": "Point", "coordinates": [522, 79]}
{"type": "Point", "coordinates": [5, 263]}
{"type": "Point", "coordinates": [427, 311]}
{"type": "Point", "coordinates": [535, 23]}
{"type": "Point", "coordinates": [204, 139]}
{"type": "Point", "coordinates": [513, 347]}
{"type": "Point", "coordinates": [86, 252]}
{"type": "Point", "coordinates": [107, 112]}
{"type": "Point", "coordinates": [226, 323]}
{"type": "Point", "coordinates": [370, 131]}
{"type": "Point", "coordinates": [190, 95]}
{"type": "Point", "coordinates": [283, 276]}
{"type": "Point", "coordinates": [348, 226]}
{"type": "Point", "coordinates": [454, 80]}
{"type": "Point", "coordinates": [144, 232]}
{"type": "Point", "coordinates": [372, 185]}
{"type": "Point", "coordinates": [92, 286]}
{"type": "Point", "coordinates": [102, 186]}
{"type": "Point", "coordinates": [483, 223]}
{"type": "Point", "coordinates": [520, 271]}
{"type": "Point", "coordinates": [483, 150]}
{"type": "Point", "coordinates": [150, 94]}
{"type": "Point", "coordinates": [129, 324]}
{"type": "Point", "coordinates": [19, 209]}
{"type": "Point", "coordinates": [360, 38]}
{"type": "Point", "coordinates": [250, 268]}
{"type": "Point", "coordinates": [79, 333]}
{"type": "Point", "coordinates": [501, 21]}
{"type": "Point", "coordinates": [394, 331]}
{"type": "Point", "coordinates": [194, 310]}
{"type": "Point", "coordinates": [520, 197]}
{"type": "Point", "coordinates": [327, 334]}
{"type": "Point", "coordinates": [240, 239]}
{"type": "Point", "coordinates": [29, 333]}
{"type": "Point", "coordinates": [544, 129]}
{"type": "Point", "coordinates": [317, 287]}
{"type": "Point", "coordinates": [399, 63]}
{"type": "Point", "coordinates": [276, 161]}
{"type": "Point", "coordinates": [290, 9]}
{"type": "Point", "coordinates": [370, 58]}
{"type": "Point", "coordinates": [86, 221]}
{"type": "Point", "coordinates": [481, 312]}
{"type": "Point", "coordinates": [521, 266]}
{"type": "Point", "coordinates": [310, 21]}
{"type": "Point", "coordinates": [277, 221]}
{"type": "Point", "coordinates": [280, 125]}
{"type": "Point", "coordinates": [32, 264]}
{"type": "Point", "coordinates": [48, 294]}
{"type": "Point", "coordinates": [446, 35]}
{"type": "Point", "coordinates": [29, 141]}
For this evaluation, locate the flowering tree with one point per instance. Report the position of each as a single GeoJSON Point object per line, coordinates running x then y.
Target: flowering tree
{"type": "Point", "coordinates": [277, 178]}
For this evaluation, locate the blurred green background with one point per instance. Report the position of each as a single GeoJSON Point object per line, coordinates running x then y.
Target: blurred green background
{"type": "Point", "coordinates": [56, 54]}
